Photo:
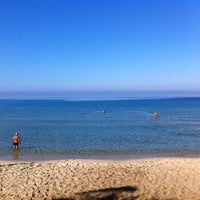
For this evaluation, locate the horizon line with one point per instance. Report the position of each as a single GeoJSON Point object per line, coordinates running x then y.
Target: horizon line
{"type": "Point", "coordinates": [97, 95]}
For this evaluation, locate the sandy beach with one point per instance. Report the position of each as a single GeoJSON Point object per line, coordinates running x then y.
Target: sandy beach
{"type": "Point", "coordinates": [152, 178]}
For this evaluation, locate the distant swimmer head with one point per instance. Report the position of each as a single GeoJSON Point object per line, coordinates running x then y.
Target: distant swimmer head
{"type": "Point", "coordinates": [104, 111]}
{"type": "Point", "coordinates": [155, 114]}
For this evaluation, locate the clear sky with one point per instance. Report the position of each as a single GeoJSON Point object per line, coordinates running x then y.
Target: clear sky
{"type": "Point", "coordinates": [72, 45]}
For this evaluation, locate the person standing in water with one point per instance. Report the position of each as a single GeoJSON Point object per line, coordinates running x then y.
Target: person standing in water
{"type": "Point", "coordinates": [16, 141]}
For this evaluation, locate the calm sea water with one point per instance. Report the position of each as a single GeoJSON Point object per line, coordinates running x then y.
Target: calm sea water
{"type": "Point", "coordinates": [79, 128]}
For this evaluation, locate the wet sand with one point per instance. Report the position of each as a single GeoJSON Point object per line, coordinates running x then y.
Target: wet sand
{"type": "Point", "coordinates": [149, 178]}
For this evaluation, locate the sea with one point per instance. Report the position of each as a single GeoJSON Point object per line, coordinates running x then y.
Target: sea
{"type": "Point", "coordinates": [100, 128]}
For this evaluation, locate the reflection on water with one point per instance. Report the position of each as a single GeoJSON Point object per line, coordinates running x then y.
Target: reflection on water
{"type": "Point", "coordinates": [15, 155]}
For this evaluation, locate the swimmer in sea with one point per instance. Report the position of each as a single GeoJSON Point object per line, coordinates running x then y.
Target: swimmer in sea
{"type": "Point", "coordinates": [155, 114]}
{"type": "Point", "coordinates": [103, 111]}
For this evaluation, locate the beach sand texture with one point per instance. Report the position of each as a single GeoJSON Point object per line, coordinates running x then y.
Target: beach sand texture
{"type": "Point", "coordinates": [152, 178]}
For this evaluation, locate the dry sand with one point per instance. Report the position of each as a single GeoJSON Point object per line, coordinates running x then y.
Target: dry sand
{"type": "Point", "coordinates": [157, 178]}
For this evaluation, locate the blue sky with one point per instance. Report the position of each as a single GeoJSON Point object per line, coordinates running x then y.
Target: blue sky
{"type": "Point", "coordinates": [74, 45]}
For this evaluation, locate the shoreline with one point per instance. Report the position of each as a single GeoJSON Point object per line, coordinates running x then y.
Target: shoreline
{"type": "Point", "coordinates": [74, 179]}
{"type": "Point", "coordinates": [16, 156]}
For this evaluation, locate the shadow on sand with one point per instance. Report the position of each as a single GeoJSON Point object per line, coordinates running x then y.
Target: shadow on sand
{"type": "Point", "coordinates": [122, 193]}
